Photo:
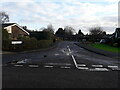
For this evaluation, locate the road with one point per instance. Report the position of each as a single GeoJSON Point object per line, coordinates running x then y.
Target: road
{"type": "Point", "coordinates": [66, 66]}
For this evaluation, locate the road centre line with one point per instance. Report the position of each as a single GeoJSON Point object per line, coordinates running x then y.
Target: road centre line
{"type": "Point", "coordinates": [74, 61]}
{"type": "Point", "coordinates": [73, 57]}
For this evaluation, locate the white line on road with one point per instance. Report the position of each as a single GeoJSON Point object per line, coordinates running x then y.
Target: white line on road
{"type": "Point", "coordinates": [48, 66]}
{"type": "Point", "coordinates": [18, 65]}
{"type": "Point", "coordinates": [97, 65]}
{"type": "Point", "coordinates": [68, 64]}
{"type": "Point", "coordinates": [81, 65]}
{"type": "Point", "coordinates": [99, 69]}
{"type": "Point", "coordinates": [57, 54]}
{"type": "Point", "coordinates": [114, 67]}
{"type": "Point", "coordinates": [74, 61]}
{"type": "Point", "coordinates": [65, 67]}
{"type": "Point", "coordinates": [33, 66]}
{"type": "Point", "coordinates": [83, 68]}
{"type": "Point", "coordinates": [73, 58]}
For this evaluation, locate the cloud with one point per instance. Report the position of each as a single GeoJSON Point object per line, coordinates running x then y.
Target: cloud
{"type": "Point", "coordinates": [75, 13]}
{"type": "Point", "coordinates": [112, 1]}
{"type": "Point", "coordinates": [17, 1]}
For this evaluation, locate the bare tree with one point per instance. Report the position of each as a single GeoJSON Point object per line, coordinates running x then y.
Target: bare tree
{"type": "Point", "coordinates": [69, 30]}
{"type": "Point", "coordinates": [4, 17]}
{"type": "Point", "coordinates": [50, 28]}
{"type": "Point", "coordinates": [96, 32]}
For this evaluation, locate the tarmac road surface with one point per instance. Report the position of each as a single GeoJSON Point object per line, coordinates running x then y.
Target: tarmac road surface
{"type": "Point", "coordinates": [66, 66]}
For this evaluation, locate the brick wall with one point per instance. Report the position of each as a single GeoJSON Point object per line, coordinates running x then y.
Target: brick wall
{"type": "Point", "coordinates": [16, 31]}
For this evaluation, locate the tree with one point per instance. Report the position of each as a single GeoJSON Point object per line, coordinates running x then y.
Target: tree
{"type": "Point", "coordinates": [80, 33]}
{"type": "Point", "coordinates": [96, 33]}
{"type": "Point", "coordinates": [24, 27]}
{"type": "Point", "coordinates": [49, 29]}
{"type": "Point", "coordinates": [69, 30]}
{"type": "Point", "coordinates": [40, 35]}
{"type": "Point", "coordinates": [4, 17]}
{"type": "Point", "coordinates": [60, 31]}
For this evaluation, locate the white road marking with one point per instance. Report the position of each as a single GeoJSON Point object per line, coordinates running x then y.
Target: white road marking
{"type": "Point", "coordinates": [48, 66]}
{"type": "Point", "coordinates": [114, 67]}
{"type": "Point", "coordinates": [99, 69]}
{"type": "Point", "coordinates": [97, 65]}
{"type": "Point", "coordinates": [22, 61]}
{"type": "Point", "coordinates": [69, 50]}
{"type": "Point", "coordinates": [81, 65]}
{"type": "Point", "coordinates": [57, 54]}
{"type": "Point", "coordinates": [68, 64]}
{"type": "Point", "coordinates": [65, 67]}
{"type": "Point", "coordinates": [76, 65]}
{"type": "Point", "coordinates": [86, 68]}
{"type": "Point", "coordinates": [68, 54]}
{"type": "Point", "coordinates": [18, 65]}
{"type": "Point", "coordinates": [33, 66]}
{"type": "Point", "coordinates": [83, 68]}
{"type": "Point", "coordinates": [74, 61]}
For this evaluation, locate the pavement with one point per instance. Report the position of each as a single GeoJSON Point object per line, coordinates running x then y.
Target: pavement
{"type": "Point", "coordinates": [65, 66]}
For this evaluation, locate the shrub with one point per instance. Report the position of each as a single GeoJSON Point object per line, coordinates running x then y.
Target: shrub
{"type": "Point", "coordinates": [6, 44]}
{"type": "Point", "coordinates": [115, 44]}
{"type": "Point", "coordinates": [44, 43]}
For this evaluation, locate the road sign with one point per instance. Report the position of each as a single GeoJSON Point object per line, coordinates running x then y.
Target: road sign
{"type": "Point", "coordinates": [16, 42]}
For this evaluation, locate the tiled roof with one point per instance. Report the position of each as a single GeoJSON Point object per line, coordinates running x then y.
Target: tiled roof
{"type": "Point", "coordinates": [6, 24]}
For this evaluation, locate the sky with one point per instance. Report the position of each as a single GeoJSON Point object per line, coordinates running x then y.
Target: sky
{"type": "Point", "coordinates": [79, 14]}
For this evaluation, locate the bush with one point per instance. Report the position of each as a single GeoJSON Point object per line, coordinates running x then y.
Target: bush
{"type": "Point", "coordinates": [115, 44]}
{"type": "Point", "coordinates": [44, 43]}
{"type": "Point", "coordinates": [6, 44]}
{"type": "Point", "coordinates": [28, 44]}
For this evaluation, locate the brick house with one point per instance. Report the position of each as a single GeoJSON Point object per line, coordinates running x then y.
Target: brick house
{"type": "Point", "coordinates": [15, 31]}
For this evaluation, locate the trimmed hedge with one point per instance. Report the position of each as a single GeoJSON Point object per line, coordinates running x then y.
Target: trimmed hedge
{"type": "Point", "coordinates": [28, 44]}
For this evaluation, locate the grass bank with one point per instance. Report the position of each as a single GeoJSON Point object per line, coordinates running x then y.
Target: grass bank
{"type": "Point", "coordinates": [106, 47]}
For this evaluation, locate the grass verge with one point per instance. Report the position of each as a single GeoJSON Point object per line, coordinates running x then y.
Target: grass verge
{"type": "Point", "coordinates": [106, 47]}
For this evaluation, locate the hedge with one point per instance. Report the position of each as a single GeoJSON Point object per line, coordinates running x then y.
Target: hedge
{"type": "Point", "coordinates": [28, 44]}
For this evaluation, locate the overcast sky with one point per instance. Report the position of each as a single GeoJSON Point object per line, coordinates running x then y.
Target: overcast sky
{"type": "Point", "coordinates": [80, 14]}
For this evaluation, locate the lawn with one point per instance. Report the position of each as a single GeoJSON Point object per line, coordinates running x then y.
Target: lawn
{"type": "Point", "coordinates": [106, 47]}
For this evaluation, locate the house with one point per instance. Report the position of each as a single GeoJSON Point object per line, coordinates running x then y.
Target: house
{"type": "Point", "coordinates": [15, 31]}
{"type": "Point", "coordinates": [116, 34]}
{"type": "Point", "coordinates": [111, 37]}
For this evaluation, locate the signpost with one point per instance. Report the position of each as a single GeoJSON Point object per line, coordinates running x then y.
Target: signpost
{"type": "Point", "coordinates": [16, 42]}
